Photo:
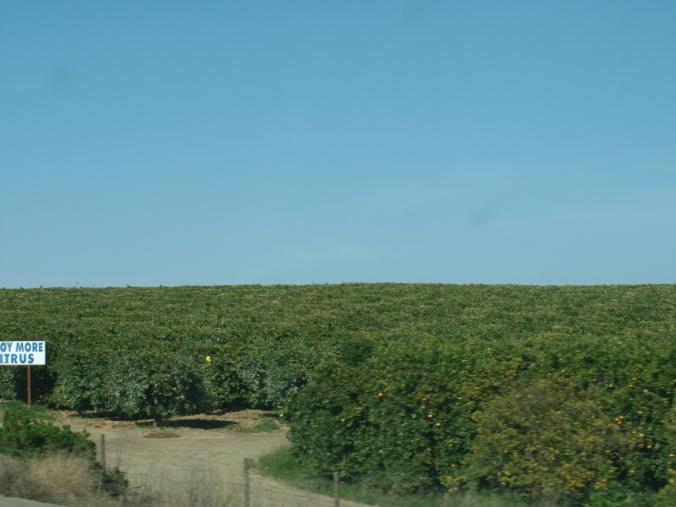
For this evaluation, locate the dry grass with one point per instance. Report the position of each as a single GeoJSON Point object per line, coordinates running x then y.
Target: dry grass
{"type": "Point", "coordinates": [162, 433]}
{"type": "Point", "coordinates": [68, 481]}
{"type": "Point", "coordinates": [64, 480]}
{"type": "Point", "coordinates": [199, 487]}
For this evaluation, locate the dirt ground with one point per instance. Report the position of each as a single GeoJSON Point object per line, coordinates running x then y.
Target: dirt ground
{"type": "Point", "coordinates": [197, 457]}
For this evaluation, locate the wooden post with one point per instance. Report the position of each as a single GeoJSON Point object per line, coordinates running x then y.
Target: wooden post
{"type": "Point", "coordinates": [103, 451]}
{"type": "Point", "coordinates": [247, 483]}
{"type": "Point", "coordinates": [29, 397]}
{"type": "Point", "coordinates": [336, 489]}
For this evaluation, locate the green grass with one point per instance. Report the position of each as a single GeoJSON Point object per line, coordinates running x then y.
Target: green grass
{"type": "Point", "coordinates": [283, 466]}
{"type": "Point", "coordinates": [264, 425]}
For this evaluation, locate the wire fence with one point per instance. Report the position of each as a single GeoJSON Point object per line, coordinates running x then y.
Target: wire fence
{"type": "Point", "coordinates": [207, 479]}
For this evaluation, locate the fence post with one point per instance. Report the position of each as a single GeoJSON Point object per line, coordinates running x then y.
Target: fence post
{"type": "Point", "coordinates": [247, 483]}
{"type": "Point", "coordinates": [103, 451]}
{"type": "Point", "coordinates": [336, 489]}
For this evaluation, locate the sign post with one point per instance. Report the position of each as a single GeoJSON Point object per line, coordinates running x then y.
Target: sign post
{"type": "Point", "coordinates": [29, 389]}
{"type": "Point", "coordinates": [24, 353]}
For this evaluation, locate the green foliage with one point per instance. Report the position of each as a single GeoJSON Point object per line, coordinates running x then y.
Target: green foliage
{"type": "Point", "coordinates": [223, 383]}
{"type": "Point", "coordinates": [545, 441]}
{"type": "Point", "coordinates": [145, 384]}
{"type": "Point", "coordinates": [273, 337]}
{"type": "Point", "coordinates": [500, 414]}
{"type": "Point", "coordinates": [385, 379]}
{"type": "Point", "coordinates": [395, 418]}
{"type": "Point", "coordinates": [26, 432]}
{"type": "Point", "coordinates": [324, 417]}
{"type": "Point", "coordinates": [264, 425]}
{"type": "Point", "coordinates": [8, 382]}
{"type": "Point", "coordinates": [667, 495]}
{"type": "Point", "coordinates": [354, 352]}
{"type": "Point", "coordinates": [113, 481]}
{"type": "Point", "coordinates": [152, 384]}
{"type": "Point", "coordinates": [83, 377]}
{"type": "Point", "coordinates": [275, 369]}
{"type": "Point", "coordinates": [13, 382]}
{"type": "Point", "coordinates": [283, 465]}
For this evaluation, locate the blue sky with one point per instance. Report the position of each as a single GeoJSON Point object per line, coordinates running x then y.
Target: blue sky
{"type": "Point", "coordinates": [171, 143]}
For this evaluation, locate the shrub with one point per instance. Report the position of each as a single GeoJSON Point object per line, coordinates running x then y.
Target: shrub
{"type": "Point", "coordinates": [142, 383]}
{"type": "Point", "coordinates": [400, 420]}
{"type": "Point", "coordinates": [406, 418]}
{"type": "Point", "coordinates": [28, 434]}
{"type": "Point", "coordinates": [8, 382]}
{"type": "Point", "coordinates": [325, 418]}
{"type": "Point", "coordinates": [50, 478]}
{"type": "Point", "coordinates": [223, 385]}
{"type": "Point", "coordinates": [13, 383]}
{"type": "Point", "coordinates": [151, 384]}
{"type": "Point", "coordinates": [140, 353]}
{"type": "Point", "coordinates": [81, 379]}
{"type": "Point", "coordinates": [667, 495]}
{"type": "Point", "coordinates": [544, 441]}
{"type": "Point", "coordinates": [632, 381]}
{"type": "Point", "coordinates": [274, 368]}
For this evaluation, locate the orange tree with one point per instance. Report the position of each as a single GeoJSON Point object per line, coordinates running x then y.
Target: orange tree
{"type": "Point", "coordinates": [408, 418]}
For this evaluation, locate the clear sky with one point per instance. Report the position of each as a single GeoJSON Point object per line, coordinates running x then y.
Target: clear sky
{"type": "Point", "coordinates": [172, 143]}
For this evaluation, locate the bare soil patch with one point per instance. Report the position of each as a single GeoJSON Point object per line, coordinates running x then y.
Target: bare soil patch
{"type": "Point", "coordinates": [202, 449]}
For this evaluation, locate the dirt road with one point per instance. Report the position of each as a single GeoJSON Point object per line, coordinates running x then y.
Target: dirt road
{"type": "Point", "coordinates": [21, 502]}
{"type": "Point", "coordinates": [201, 458]}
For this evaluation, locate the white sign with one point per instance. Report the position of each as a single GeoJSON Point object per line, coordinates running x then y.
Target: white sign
{"type": "Point", "coordinates": [23, 353]}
